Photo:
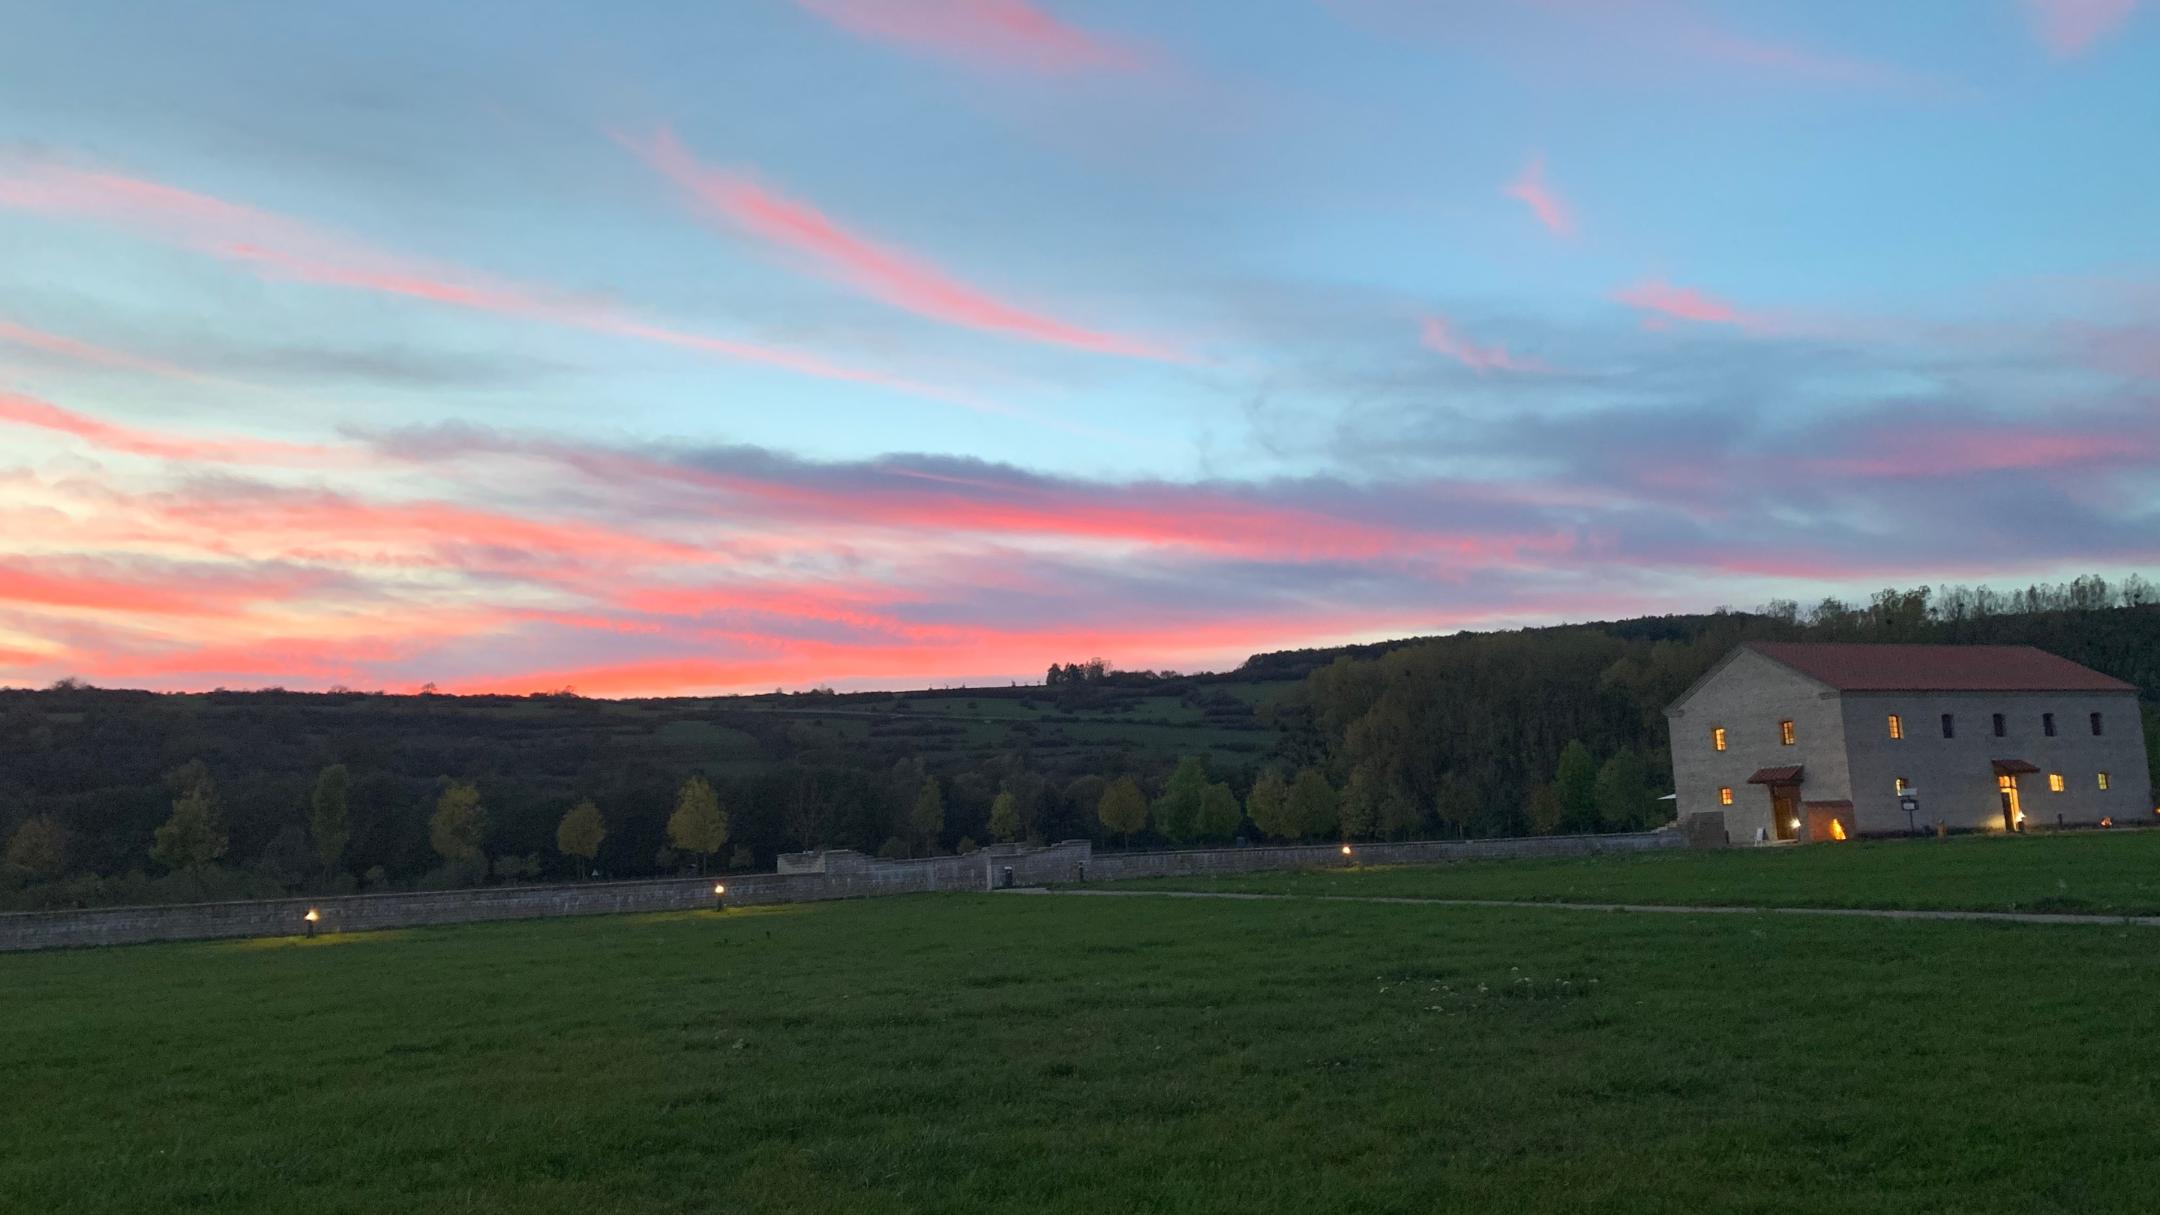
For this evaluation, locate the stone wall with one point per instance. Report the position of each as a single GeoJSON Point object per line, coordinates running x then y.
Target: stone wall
{"type": "Point", "coordinates": [834, 875]}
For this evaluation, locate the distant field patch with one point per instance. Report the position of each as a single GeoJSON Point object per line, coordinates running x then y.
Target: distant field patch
{"type": "Point", "coordinates": [2094, 872]}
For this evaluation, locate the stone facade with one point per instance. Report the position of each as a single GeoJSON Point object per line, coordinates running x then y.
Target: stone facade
{"type": "Point", "coordinates": [1843, 743]}
{"type": "Point", "coordinates": [811, 877]}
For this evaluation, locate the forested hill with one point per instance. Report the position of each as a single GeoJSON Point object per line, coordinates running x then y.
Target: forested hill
{"type": "Point", "coordinates": [1457, 734]}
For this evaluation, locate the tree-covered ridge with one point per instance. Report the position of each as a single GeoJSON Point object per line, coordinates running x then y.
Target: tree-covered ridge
{"type": "Point", "coordinates": [124, 796]}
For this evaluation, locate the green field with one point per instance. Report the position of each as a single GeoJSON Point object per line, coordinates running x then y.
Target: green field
{"type": "Point", "coordinates": [2106, 873]}
{"type": "Point", "coordinates": [1092, 1055]}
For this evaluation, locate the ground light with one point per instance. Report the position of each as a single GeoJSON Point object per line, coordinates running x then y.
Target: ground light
{"type": "Point", "coordinates": [309, 919]}
{"type": "Point", "coordinates": [719, 896]}
{"type": "Point", "coordinates": [1346, 850]}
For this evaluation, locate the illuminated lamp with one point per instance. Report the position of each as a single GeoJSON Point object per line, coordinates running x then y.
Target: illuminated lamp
{"type": "Point", "coordinates": [310, 919]}
{"type": "Point", "coordinates": [719, 896]}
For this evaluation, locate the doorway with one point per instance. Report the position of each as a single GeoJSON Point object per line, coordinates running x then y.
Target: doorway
{"type": "Point", "coordinates": [2013, 814]}
{"type": "Point", "coordinates": [1785, 812]}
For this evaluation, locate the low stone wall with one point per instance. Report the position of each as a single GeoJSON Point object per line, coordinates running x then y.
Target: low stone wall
{"type": "Point", "coordinates": [834, 875]}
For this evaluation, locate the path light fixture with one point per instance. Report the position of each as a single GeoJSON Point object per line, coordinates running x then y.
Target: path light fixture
{"type": "Point", "coordinates": [1346, 850]}
{"type": "Point", "coordinates": [719, 896]}
{"type": "Point", "coordinates": [310, 919]}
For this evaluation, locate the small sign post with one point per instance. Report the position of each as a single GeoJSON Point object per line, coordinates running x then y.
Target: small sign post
{"type": "Point", "coordinates": [1909, 802]}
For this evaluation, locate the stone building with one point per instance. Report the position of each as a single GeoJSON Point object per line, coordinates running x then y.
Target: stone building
{"type": "Point", "coordinates": [1818, 741]}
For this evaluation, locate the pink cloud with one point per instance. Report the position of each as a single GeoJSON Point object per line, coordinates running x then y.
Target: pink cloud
{"type": "Point", "coordinates": [2070, 27]}
{"type": "Point", "coordinates": [1662, 302]}
{"type": "Point", "coordinates": [84, 352]}
{"type": "Point", "coordinates": [1532, 191]}
{"type": "Point", "coordinates": [19, 410]}
{"type": "Point", "coordinates": [277, 246]}
{"type": "Point", "coordinates": [1009, 34]}
{"type": "Point", "coordinates": [1437, 334]}
{"type": "Point", "coordinates": [893, 276]}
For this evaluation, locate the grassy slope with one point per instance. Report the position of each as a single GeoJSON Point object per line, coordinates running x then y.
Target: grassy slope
{"type": "Point", "coordinates": [964, 1053]}
{"type": "Point", "coordinates": [2110, 873]}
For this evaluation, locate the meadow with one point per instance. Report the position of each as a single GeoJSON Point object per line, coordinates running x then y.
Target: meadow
{"type": "Point", "coordinates": [1069, 1054]}
{"type": "Point", "coordinates": [2087, 872]}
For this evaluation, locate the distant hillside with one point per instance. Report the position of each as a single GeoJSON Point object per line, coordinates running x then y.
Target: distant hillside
{"type": "Point", "coordinates": [1460, 734]}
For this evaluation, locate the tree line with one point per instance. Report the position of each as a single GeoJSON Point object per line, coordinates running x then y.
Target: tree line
{"type": "Point", "coordinates": [110, 797]}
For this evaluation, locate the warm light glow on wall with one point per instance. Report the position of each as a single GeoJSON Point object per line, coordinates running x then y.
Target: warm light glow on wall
{"type": "Point", "coordinates": [1897, 726]}
{"type": "Point", "coordinates": [1837, 830]}
{"type": "Point", "coordinates": [1717, 738]}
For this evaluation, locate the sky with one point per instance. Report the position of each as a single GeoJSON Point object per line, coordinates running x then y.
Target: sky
{"type": "Point", "coordinates": [683, 347]}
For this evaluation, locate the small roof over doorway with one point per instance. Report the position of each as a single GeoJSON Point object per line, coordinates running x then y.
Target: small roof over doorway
{"type": "Point", "coordinates": [2012, 767]}
{"type": "Point", "coordinates": [1776, 776]}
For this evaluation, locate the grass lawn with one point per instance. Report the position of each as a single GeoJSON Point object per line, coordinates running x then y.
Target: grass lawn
{"type": "Point", "coordinates": [2112, 872]}
{"type": "Point", "coordinates": [1096, 1056]}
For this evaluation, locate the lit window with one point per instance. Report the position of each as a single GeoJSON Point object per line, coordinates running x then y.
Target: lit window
{"type": "Point", "coordinates": [1717, 738]}
{"type": "Point", "coordinates": [2047, 724]}
{"type": "Point", "coordinates": [1897, 727]}
{"type": "Point", "coordinates": [1902, 786]}
{"type": "Point", "coordinates": [1785, 732]}
{"type": "Point", "coordinates": [2055, 782]}
{"type": "Point", "coordinates": [2095, 724]}
{"type": "Point", "coordinates": [2103, 781]}
{"type": "Point", "coordinates": [1949, 725]}
{"type": "Point", "coordinates": [1724, 793]}
{"type": "Point", "coordinates": [1999, 725]}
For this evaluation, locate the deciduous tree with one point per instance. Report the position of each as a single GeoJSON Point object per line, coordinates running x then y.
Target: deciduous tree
{"type": "Point", "coordinates": [39, 847]}
{"type": "Point", "coordinates": [1005, 817]}
{"type": "Point", "coordinates": [195, 835]}
{"type": "Point", "coordinates": [1177, 811]}
{"type": "Point", "coordinates": [1269, 806]}
{"type": "Point", "coordinates": [1219, 814]}
{"type": "Point", "coordinates": [1313, 804]}
{"type": "Point", "coordinates": [698, 825]}
{"type": "Point", "coordinates": [927, 816]}
{"type": "Point", "coordinates": [458, 828]}
{"type": "Point", "coordinates": [579, 834]}
{"type": "Point", "coordinates": [330, 816]}
{"type": "Point", "coordinates": [1123, 808]}
{"type": "Point", "coordinates": [1624, 800]}
{"type": "Point", "coordinates": [1575, 784]}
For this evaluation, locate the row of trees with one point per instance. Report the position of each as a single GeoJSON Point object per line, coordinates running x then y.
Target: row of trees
{"type": "Point", "coordinates": [194, 838]}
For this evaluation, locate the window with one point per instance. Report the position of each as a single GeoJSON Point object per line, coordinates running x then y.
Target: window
{"type": "Point", "coordinates": [2047, 724]}
{"type": "Point", "coordinates": [1949, 725]}
{"type": "Point", "coordinates": [2103, 782]}
{"type": "Point", "coordinates": [1724, 793]}
{"type": "Point", "coordinates": [2095, 724]}
{"type": "Point", "coordinates": [1897, 727]}
{"type": "Point", "coordinates": [1999, 725]}
{"type": "Point", "coordinates": [2055, 782]}
{"type": "Point", "coordinates": [1717, 738]}
{"type": "Point", "coordinates": [1785, 732]}
{"type": "Point", "coordinates": [1903, 785]}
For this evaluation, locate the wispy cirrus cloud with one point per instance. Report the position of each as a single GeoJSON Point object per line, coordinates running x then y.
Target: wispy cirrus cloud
{"type": "Point", "coordinates": [999, 34]}
{"type": "Point", "coordinates": [1531, 190]}
{"type": "Point", "coordinates": [13, 334]}
{"type": "Point", "coordinates": [280, 247]}
{"type": "Point", "coordinates": [1438, 334]}
{"type": "Point", "coordinates": [2069, 28]}
{"type": "Point", "coordinates": [19, 410]}
{"type": "Point", "coordinates": [903, 280]}
{"type": "Point", "coordinates": [1662, 303]}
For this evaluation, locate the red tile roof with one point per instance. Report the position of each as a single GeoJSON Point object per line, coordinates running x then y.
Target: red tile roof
{"type": "Point", "coordinates": [1864, 667]}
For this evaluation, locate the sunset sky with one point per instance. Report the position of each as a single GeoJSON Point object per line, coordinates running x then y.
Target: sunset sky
{"type": "Point", "coordinates": [667, 348]}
